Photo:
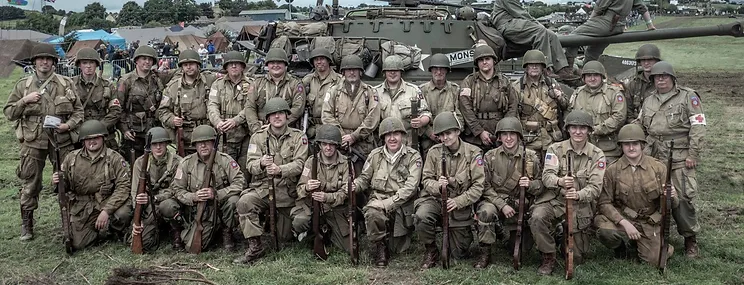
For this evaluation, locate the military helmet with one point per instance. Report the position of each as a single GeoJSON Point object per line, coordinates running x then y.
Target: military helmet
{"type": "Point", "coordinates": [594, 67]}
{"type": "Point", "coordinates": [317, 52]}
{"type": "Point", "coordinates": [466, 13]}
{"type": "Point", "coordinates": [482, 51]}
{"type": "Point", "coordinates": [233, 56]}
{"type": "Point", "coordinates": [445, 121]}
{"type": "Point", "coordinates": [276, 104]}
{"type": "Point", "coordinates": [533, 56]}
{"type": "Point", "coordinates": [187, 56]}
{"type": "Point", "coordinates": [44, 50]}
{"type": "Point", "coordinates": [92, 129]}
{"type": "Point", "coordinates": [147, 51]}
{"type": "Point", "coordinates": [202, 133]}
{"type": "Point", "coordinates": [662, 67]}
{"type": "Point", "coordinates": [159, 135]}
{"type": "Point", "coordinates": [631, 133]}
{"type": "Point", "coordinates": [648, 51]}
{"type": "Point", "coordinates": [328, 134]}
{"type": "Point", "coordinates": [509, 124]}
{"type": "Point", "coordinates": [439, 60]}
{"type": "Point", "coordinates": [391, 124]}
{"type": "Point", "coordinates": [579, 118]}
{"type": "Point", "coordinates": [87, 54]}
{"type": "Point", "coordinates": [276, 54]}
{"type": "Point", "coordinates": [392, 63]}
{"type": "Point", "coordinates": [352, 61]}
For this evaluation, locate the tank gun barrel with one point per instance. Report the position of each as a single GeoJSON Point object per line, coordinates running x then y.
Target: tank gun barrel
{"type": "Point", "coordinates": [416, 3]}
{"type": "Point", "coordinates": [732, 29]}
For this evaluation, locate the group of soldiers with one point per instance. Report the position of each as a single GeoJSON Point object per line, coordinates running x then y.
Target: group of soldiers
{"type": "Point", "coordinates": [265, 134]}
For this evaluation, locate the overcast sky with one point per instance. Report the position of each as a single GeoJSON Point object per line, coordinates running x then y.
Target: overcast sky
{"type": "Point", "coordinates": [115, 5]}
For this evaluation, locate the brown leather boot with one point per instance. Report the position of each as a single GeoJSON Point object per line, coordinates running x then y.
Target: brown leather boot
{"type": "Point", "coordinates": [691, 247]}
{"type": "Point", "coordinates": [484, 259]}
{"type": "Point", "coordinates": [27, 226]}
{"type": "Point", "coordinates": [431, 256]}
{"type": "Point", "coordinates": [254, 252]}
{"type": "Point", "coordinates": [547, 265]}
{"type": "Point", "coordinates": [227, 239]}
{"type": "Point", "coordinates": [382, 255]}
{"type": "Point", "coordinates": [176, 234]}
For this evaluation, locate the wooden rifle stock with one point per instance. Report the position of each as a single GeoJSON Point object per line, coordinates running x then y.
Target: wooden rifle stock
{"type": "Point", "coordinates": [353, 238]}
{"type": "Point", "coordinates": [179, 139]}
{"type": "Point", "coordinates": [196, 242]}
{"type": "Point", "coordinates": [517, 256]}
{"type": "Point", "coordinates": [272, 204]}
{"type": "Point", "coordinates": [318, 246]}
{"type": "Point", "coordinates": [415, 102]}
{"type": "Point", "coordinates": [666, 206]}
{"type": "Point", "coordinates": [64, 202]}
{"type": "Point", "coordinates": [445, 217]}
{"type": "Point", "coordinates": [569, 224]}
{"type": "Point", "coordinates": [141, 188]}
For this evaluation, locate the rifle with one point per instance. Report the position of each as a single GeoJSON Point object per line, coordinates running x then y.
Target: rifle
{"type": "Point", "coordinates": [520, 215]}
{"type": "Point", "coordinates": [666, 206]}
{"type": "Point", "coordinates": [64, 202]}
{"type": "Point", "coordinates": [196, 242]}
{"type": "Point", "coordinates": [179, 139]}
{"type": "Point", "coordinates": [415, 102]}
{"type": "Point", "coordinates": [272, 204]}
{"type": "Point", "coordinates": [568, 231]}
{"type": "Point", "coordinates": [353, 239]}
{"type": "Point", "coordinates": [132, 158]}
{"type": "Point", "coordinates": [318, 247]}
{"type": "Point", "coordinates": [141, 188]}
{"type": "Point", "coordinates": [445, 218]}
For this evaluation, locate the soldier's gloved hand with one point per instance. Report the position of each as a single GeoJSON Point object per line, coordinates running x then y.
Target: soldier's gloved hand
{"type": "Point", "coordinates": [102, 221]}
{"type": "Point", "coordinates": [63, 128]}
{"type": "Point", "coordinates": [178, 121]}
{"type": "Point", "coordinates": [319, 196]}
{"type": "Point", "coordinates": [508, 211]}
{"type": "Point", "coordinates": [137, 230]}
{"type": "Point", "coordinates": [690, 163]}
{"type": "Point", "coordinates": [267, 160]}
{"type": "Point", "coordinates": [443, 181]}
{"type": "Point", "coordinates": [347, 140]}
{"type": "Point", "coordinates": [129, 135]}
{"type": "Point", "coordinates": [141, 199]}
{"type": "Point", "coordinates": [631, 230]}
{"type": "Point", "coordinates": [674, 191]}
{"type": "Point", "coordinates": [485, 137]}
{"type": "Point", "coordinates": [55, 178]}
{"type": "Point", "coordinates": [572, 194]}
{"type": "Point", "coordinates": [204, 194]}
{"type": "Point", "coordinates": [524, 181]}
{"type": "Point", "coordinates": [451, 205]}
{"type": "Point", "coordinates": [568, 182]}
{"type": "Point", "coordinates": [32, 97]}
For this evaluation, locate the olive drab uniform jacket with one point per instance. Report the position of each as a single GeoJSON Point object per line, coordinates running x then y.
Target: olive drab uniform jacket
{"type": "Point", "coordinates": [101, 183]}
{"type": "Point", "coordinates": [316, 88]}
{"type": "Point", "coordinates": [466, 175]}
{"type": "Point", "coordinates": [188, 101]}
{"type": "Point", "coordinates": [289, 151]}
{"type": "Point", "coordinates": [483, 102]}
{"type": "Point", "coordinates": [397, 103]}
{"type": "Point", "coordinates": [227, 101]}
{"type": "Point", "coordinates": [334, 182]}
{"type": "Point", "coordinates": [140, 97]}
{"type": "Point", "coordinates": [540, 111]}
{"type": "Point", "coordinates": [677, 115]}
{"type": "Point", "coordinates": [99, 101]}
{"type": "Point", "coordinates": [607, 107]}
{"type": "Point", "coordinates": [59, 99]}
{"type": "Point", "coordinates": [392, 178]}
{"type": "Point", "coordinates": [160, 173]}
{"type": "Point", "coordinates": [227, 179]}
{"type": "Point", "coordinates": [503, 171]}
{"type": "Point", "coordinates": [288, 88]}
{"type": "Point", "coordinates": [441, 100]}
{"type": "Point", "coordinates": [356, 113]}
{"type": "Point", "coordinates": [588, 171]}
{"type": "Point", "coordinates": [637, 89]}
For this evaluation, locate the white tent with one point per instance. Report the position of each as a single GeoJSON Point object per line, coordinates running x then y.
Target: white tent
{"type": "Point", "coordinates": [581, 11]}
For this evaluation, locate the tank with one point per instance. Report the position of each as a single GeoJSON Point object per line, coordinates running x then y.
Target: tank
{"type": "Point", "coordinates": [433, 28]}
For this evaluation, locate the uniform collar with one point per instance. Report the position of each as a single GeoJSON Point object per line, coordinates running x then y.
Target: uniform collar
{"type": "Point", "coordinates": [502, 151]}
{"type": "Point", "coordinates": [625, 163]}
{"type": "Point", "coordinates": [393, 157]}
{"type": "Point", "coordinates": [584, 150]}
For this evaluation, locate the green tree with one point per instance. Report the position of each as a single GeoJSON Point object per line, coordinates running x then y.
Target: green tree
{"type": "Point", "coordinates": [130, 15]}
{"type": "Point", "coordinates": [48, 9]}
{"type": "Point", "coordinates": [76, 20]}
{"type": "Point", "coordinates": [95, 10]}
{"type": "Point", "coordinates": [44, 23]}
{"type": "Point", "coordinates": [11, 13]}
{"type": "Point", "coordinates": [100, 24]}
{"type": "Point", "coordinates": [206, 10]}
{"type": "Point", "coordinates": [185, 10]}
{"type": "Point", "coordinates": [158, 11]}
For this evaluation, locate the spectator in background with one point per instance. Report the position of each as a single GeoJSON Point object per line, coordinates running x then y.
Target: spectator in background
{"type": "Point", "coordinates": [102, 53]}
{"type": "Point", "coordinates": [166, 49]}
{"type": "Point", "coordinates": [117, 61]}
{"type": "Point", "coordinates": [211, 50]}
{"type": "Point", "coordinates": [203, 52]}
{"type": "Point", "coordinates": [111, 49]}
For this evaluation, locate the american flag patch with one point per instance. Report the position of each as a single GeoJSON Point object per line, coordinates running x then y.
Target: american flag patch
{"type": "Point", "coordinates": [551, 159]}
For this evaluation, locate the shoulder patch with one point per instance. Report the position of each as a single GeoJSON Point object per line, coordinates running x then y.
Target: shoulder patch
{"type": "Point", "coordinates": [300, 88]}
{"type": "Point", "coordinates": [465, 92]}
{"type": "Point", "coordinates": [252, 148]}
{"type": "Point", "coordinates": [551, 159]}
{"type": "Point", "coordinates": [234, 164]}
{"type": "Point", "coordinates": [698, 119]}
{"type": "Point", "coordinates": [123, 163]}
{"type": "Point", "coordinates": [165, 100]}
{"type": "Point", "coordinates": [304, 140]}
{"type": "Point", "coordinates": [601, 164]}
{"type": "Point", "coordinates": [179, 173]}
{"type": "Point", "coordinates": [620, 98]}
{"type": "Point", "coordinates": [306, 172]}
{"type": "Point", "coordinates": [479, 160]}
{"type": "Point", "coordinates": [418, 163]}
{"type": "Point", "coordinates": [695, 101]}
{"type": "Point", "coordinates": [121, 87]}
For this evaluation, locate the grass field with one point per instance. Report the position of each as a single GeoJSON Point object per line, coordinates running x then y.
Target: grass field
{"type": "Point", "coordinates": [720, 201]}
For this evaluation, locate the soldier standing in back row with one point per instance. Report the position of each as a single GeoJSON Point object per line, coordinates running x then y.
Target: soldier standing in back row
{"type": "Point", "coordinates": [541, 104]}
{"type": "Point", "coordinates": [640, 86]}
{"type": "Point", "coordinates": [32, 99]}
{"type": "Point", "coordinates": [276, 83]}
{"type": "Point", "coordinates": [276, 157]}
{"type": "Point", "coordinates": [464, 180]}
{"type": "Point", "coordinates": [317, 84]}
{"type": "Point", "coordinates": [606, 104]}
{"type": "Point", "coordinates": [184, 103]}
{"type": "Point", "coordinates": [391, 175]}
{"type": "Point", "coordinates": [441, 95]}
{"type": "Point", "coordinates": [675, 113]}
{"type": "Point", "coordinates": [220, 196]}
{"type": "Point", "coordinates": [486, 96]}
{"type": "Point", "coordinates": [98, 182]}
{"type": "Point", "coordinates": [395, 100]}
{"type": "Point", "coordinates": [97, 94]}
{"type": "Point", "coordinates": [140, 94]}
{"type": "Point", "coordinates": [163, 207]}
{"type": "Point", "coordinates": [582, 185]}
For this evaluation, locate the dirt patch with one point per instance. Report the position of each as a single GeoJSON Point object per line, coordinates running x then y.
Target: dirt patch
{"type": "Point", "coordinates": [723, 84]}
